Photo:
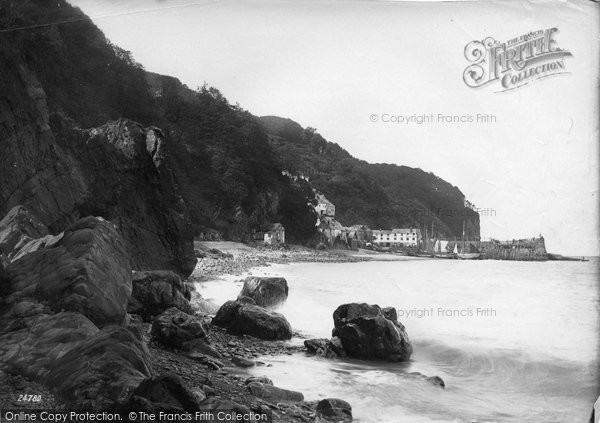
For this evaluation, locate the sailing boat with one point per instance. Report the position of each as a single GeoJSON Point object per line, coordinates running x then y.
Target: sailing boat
{"type": "Point", "coordinates": [439, 254]}
{"type": "Point", "coordinates": [462, 255]}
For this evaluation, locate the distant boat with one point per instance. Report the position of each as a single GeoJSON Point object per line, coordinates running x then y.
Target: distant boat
{"type": "Point", "coordinates": [439, 254]}
{"type": "Point", "coordinates": [462, 255]}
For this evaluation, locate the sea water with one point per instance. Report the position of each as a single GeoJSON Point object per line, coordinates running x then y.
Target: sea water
{"type": "Point", "coordinates": [513, 341]}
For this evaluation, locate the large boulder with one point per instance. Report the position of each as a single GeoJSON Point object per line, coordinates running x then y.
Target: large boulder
{"type": "Point", "coordinates": [267, 292]}
{"type": "Point", "coordinates": [17, 228]}
{"type": "Point", "coordinates": [175, 328]}
{"type": "Point", "coordinates": [243, 317]}
{"type": "Point", "coordinates": [86, 271]}
{"type": "Point", "coordinates": [155, 291]}
{"type": "Point", "coordinates": [365, 332]}
{"type": "Point", "coordinates": [101, 371]}
{"type": "Point", "coordinates": [31, 341]}
{"type": "Point", "coordinates": [334, 410]}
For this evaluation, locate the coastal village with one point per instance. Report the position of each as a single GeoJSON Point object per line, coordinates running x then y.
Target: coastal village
{"type": "Point", "coordinates": [411, 241]}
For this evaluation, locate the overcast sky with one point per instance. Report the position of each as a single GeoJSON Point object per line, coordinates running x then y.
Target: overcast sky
{"type": "Point", "coordinates": [333, 64]}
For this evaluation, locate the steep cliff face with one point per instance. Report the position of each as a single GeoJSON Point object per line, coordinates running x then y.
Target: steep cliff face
{"type": "Point", "coordinates": [119, 171]}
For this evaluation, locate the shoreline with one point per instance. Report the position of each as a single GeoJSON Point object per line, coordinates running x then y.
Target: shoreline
{"type": "Point", "coordinates": [226, 258]}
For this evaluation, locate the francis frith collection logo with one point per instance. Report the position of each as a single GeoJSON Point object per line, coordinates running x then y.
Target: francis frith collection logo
{"type": "Point", "coordinates": [516, 62]}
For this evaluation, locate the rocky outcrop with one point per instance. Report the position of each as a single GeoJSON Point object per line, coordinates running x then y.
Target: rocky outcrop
{"type": "Point", "coordinates": [268, 292]}
{"type": "Point", "coordinates": [17, 228]}
{"type": "Point", "coordinates": [129, 180]}
{"type": "Point", "coordinates": [86, 271]}
{"type": "Point", "coordinates": [365, 332]}
{"type": "Point", "coordinates": [244, 317]}
{"type": "Point", "coordinates": [120, 171]}
{"type": "Point", "coordinates": [102, 370]}
{"type": "Point", "coordinates": [52, 303]}
{"type": "Point", "coordinates": [155, 291]}
{"type": "Point", "coordinates": [175, 328]}
{"type": "Point", "coordinates": [334, 410]}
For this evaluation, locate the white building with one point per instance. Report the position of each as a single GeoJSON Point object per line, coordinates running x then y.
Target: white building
{"type": "Point", "coordinates": [324, 207]}
{"type": "Point", "coordinates": [410, 237]}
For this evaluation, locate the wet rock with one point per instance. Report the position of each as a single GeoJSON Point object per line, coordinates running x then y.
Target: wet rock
{"type": "Point", "coordinates": [260, 379]}
{"type": "Point", "coordinates": [273, 393]}
{"type": "Point", "coordinates": [436, 381]}
{"type": "Point", "coordinates": [335, 347]}
{"type": "Point", "coordinates": [366, 333]}
{"type": "Point", "coordinates": [165, 392]}
{"type": "Point", "coordinates": [175, 328]}
{"type": "Point", "coordinates": [334, 410]}
{"type": "Point", "coordinates": [347, 312]}
{"type": "Point", "coordinates": [268, 292]}
{"type": "Point", "coordinates": [153, 292]}
{"type": "Point", "coordinates": [315, 345]}
{"type": "Point", "coordinates": [101, 371]}
{"type": "Point", "coordinates": [244, 318]}
{"type": "Point", "coordinates": [242, 362]}
{"type": "Point", "coordinates": [87, 271]}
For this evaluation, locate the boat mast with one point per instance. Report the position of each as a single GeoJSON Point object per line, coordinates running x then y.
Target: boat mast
{"type": "Point", "coordinates": [463, 238]}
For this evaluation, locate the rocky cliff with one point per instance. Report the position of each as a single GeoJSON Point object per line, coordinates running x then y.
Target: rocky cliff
{"type": "Point", "coordinates": [119, 170]}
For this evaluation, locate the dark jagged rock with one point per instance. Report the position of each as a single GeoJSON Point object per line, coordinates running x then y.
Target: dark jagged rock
{"type": "Point", "coordinates": [175, 328]}
{"type": "Point", "coordinates": [139, 193]}
{"type": "Point", "coordinates": [242, 317]}
{"type": "Point", "coordinates": [273, 393]}
{"type": "Point", "coordinates": [153, 292]}
{"type": "Point", "coordinates": [120, 171]}
{"type": "Point", "coordinates": [334, 410]}
{"type": "Point", "coordinates": [366, 333]}
{"type": "Point", "coordinates": [17, 228]}
{"type": "Point", "coordinates": [347, 312]}
{"type": "Point", "coordinates": [434, 380]}
{"type": "Point", "coordinates": [87, 271]}
{"type": "Point", "coordinates": [101, 371]}
{"type": "Point", "coordinates": [267, 292]}
{"type": "Point", "coordinates": [164, 393]}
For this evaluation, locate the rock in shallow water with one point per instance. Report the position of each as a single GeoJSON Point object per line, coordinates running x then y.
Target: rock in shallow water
{"type": "Point", "coordinates": [334, 410]}
{"type": "Point", "coordinates": [365, 332]}
{"type": "Point", "coordinates": [268, 292]}
{"type": "Point", "coordinates": [242, 317]}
